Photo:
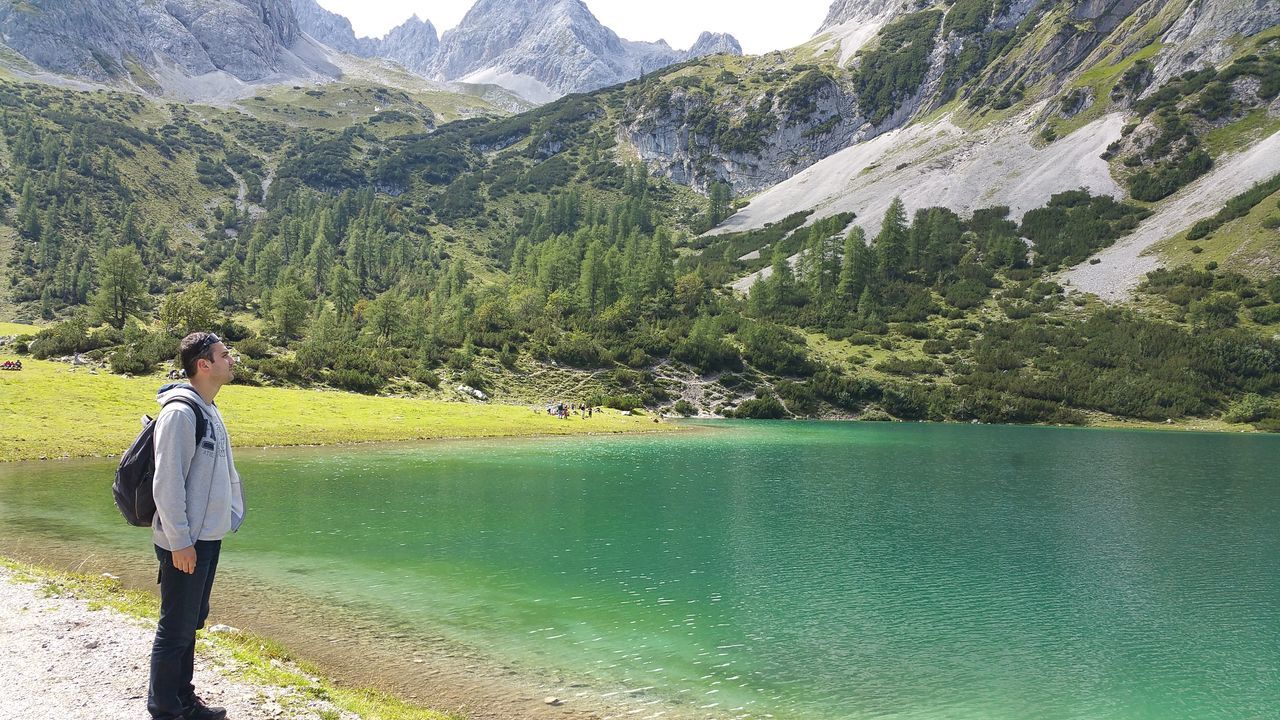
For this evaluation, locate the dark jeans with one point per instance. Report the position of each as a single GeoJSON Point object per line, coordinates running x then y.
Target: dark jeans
{"type": "Point", "coordinates": [184, 605]}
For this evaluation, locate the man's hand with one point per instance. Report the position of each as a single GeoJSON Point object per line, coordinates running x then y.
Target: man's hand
{"type": "Point", "coordinates": [185, 559]}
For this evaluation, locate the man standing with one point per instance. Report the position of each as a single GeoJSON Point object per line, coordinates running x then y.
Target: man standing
{"type": "Point", "coordinates": [198, 501]}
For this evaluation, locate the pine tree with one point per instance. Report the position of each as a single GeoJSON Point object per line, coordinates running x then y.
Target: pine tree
{"type": "Point", "coordinates": [891, 243]}
{"type": "Point", "coordinates": [288, 311]}
{"type": "Point", "coordinates": [343, 290]}
{"type": "Point", "coordinates": [230, 280]}
{"type": "Point", "coordinates": [120, 285]}
{"type": "Point", "coordinates": [858, 266]}
{"type": "Point", "coordinates": [591, 278]}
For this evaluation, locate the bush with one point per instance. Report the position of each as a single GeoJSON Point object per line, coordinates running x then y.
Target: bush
{"type": "Point", "coordinates": [800, 397]}
{"type": "Point", "coordinates": [1251, 408]}
{"type": "Point", "coordinates": [775, 349]}
{"type": "Point", "coordinates": [579, 349]}
{"type": "Point", "coordinates": [967, 293]}
{"type": "Point", "coordinates": [143, 351]}
{"type": "Point", "coordinates": [623, 402]}
{"type": "Point", "coordinates": [1266, 315]}
{"type": "Point", "coordinates": [476, 379]}
{"type": "Point", "coordinates": [426, 377]}
{"type": "Point", "coordinates": [127, 361]}
{"type": "Point", "coordinates": [684, 408]}
{"type": "Point", "coordinates": [64, 338]}
{"type": "Point", "coordinates": [355, 381]}
{"type": "Point", "coordinates": [707, 350]}
{"type": "Point", "coordinates": [254, 347]}
{"type": "Point", "coordinates": [280, 369]}
{"type": "Point", "coordinates": [765, 408]}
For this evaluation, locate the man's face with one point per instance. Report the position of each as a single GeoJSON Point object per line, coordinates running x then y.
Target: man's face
{"type": "Point", "coordinates": [219, 369]}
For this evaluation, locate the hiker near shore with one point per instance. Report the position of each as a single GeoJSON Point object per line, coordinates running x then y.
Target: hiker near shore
{"type": "Point", "coordinates": [198, 501]}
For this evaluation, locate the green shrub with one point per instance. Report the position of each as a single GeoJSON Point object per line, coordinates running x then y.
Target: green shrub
{"type": "Point", "coordinates": [1250, 408]}
{"type": "Point", "coordinates": [1266, 315]}
{"type": "Point", "coordinates": [355, 381]}
{"type": "Point", "coordinates": [623, 402]}
{"type": "Point", "coordinates": [476, 379]}
{"type": "Point", "coordinates": [426, 377]}
{"type": "Point", "coordinates": [765, 408]}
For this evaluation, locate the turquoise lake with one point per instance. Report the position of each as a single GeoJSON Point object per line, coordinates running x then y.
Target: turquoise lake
{"type": "Point", "coordinates": [780, 569]}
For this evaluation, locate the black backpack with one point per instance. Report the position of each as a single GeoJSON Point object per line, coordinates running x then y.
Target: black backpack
{"type": "Point", "coordinates": [132, 488]}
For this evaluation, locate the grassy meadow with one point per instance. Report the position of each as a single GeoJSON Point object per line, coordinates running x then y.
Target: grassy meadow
{"type": "Point", "coordinates": [50, 410]}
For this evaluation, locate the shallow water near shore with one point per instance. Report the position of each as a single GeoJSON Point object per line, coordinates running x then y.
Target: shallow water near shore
{"type": "Point", "coordinates": [798, 570]}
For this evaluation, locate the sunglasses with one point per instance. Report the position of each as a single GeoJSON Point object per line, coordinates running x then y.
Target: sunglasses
{"type": "Point", "coordinates": [209, 341]}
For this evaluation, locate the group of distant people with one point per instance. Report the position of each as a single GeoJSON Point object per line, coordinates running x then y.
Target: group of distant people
{"type": "Point", "coordinates": [178, 374]}
{"type": "Point", "coordinates": [564, 410]}
{"type": "Point", "coordinates": [11, 365]}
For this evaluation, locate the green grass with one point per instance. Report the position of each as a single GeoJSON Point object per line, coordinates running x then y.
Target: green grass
{"type": "Point", "coordinates": [49, 410]}
{"type": "Point", "coordinates": [8, 328]}
{"type": "Point", "coordinates": [1242, 245]}
{"type": "Point", "coordinates": [1241, 134]}
{"type": "Point", "coordinates": [1100, 80]}
{"type": "Point", "coordinates": [240, 655]}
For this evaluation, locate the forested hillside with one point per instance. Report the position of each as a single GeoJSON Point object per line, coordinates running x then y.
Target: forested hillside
{"type": "Point", "coordinates": [536, 258]}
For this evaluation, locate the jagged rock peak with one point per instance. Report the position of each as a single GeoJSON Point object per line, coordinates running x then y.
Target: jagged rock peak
{"type": "Point", "coordinates": [538, 48]}
{"type": "Point", "coordinates": [413, 44]}
{"type": "Point", "coordinates": [709, 43]}
{"type": "Point", "coordinates": [332, 29]}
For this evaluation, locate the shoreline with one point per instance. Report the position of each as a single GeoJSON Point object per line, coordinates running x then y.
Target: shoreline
{"type": "Point", "coordinates": [257, 672]}
{"type": "Point", "coordinates": [380, 442]}
{"type": "Point", "coordinates": [93, 636]}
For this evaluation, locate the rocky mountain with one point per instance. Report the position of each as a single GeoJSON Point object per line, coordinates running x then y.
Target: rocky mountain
{"type": "Point", "coordinates": [412, 44]}
{"type": "Point", "coordinates": [164, 47]}
{"type": "Point", "coordinates": [332, 29]}
{"type": "Point", "coordinates": [543, 49]}
{"type": "Point", "coordinates": [709, 43]}
{"type": "Point", "coordinates": [881, 65]}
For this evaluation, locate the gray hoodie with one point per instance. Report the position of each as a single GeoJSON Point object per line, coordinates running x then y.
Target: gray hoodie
{"type": "Point", "coordinates": [196, 487]}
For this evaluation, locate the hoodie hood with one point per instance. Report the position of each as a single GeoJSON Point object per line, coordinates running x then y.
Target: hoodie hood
{"type": "Point", "coordinates": [172, 390]}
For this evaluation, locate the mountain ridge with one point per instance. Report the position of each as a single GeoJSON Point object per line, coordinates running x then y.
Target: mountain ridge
{"type": "Point", "coordinates": [542, 49]}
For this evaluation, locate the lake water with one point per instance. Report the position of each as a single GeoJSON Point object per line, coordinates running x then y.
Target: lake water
{"type": "Point", "coordinates": [792, 570]}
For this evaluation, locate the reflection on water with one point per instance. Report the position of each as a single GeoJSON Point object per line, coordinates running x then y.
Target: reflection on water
{"type": "Point", "coordinates": [818, 570]}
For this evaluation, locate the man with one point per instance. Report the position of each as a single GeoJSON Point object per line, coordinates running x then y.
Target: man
{"type": "Point", "coordinates": [198, 501]}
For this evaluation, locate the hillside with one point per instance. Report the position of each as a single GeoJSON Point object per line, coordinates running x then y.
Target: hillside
{"type": "Point", "coordinates": [917, 209]}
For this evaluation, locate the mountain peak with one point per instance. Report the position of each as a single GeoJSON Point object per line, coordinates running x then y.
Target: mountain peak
{"type": "Point", "coordinates": [709, 43]}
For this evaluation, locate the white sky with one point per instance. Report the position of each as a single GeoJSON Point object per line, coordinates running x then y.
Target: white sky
{"type": "Point", "coordinates": [760, 27]}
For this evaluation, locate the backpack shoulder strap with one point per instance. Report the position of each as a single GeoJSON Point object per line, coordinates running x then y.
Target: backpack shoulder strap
{"type": "Point", "coordinates": [202, 423]}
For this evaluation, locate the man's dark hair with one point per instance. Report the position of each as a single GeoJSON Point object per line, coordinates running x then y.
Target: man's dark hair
{"type": "Point", "coordinates": [196, 346]}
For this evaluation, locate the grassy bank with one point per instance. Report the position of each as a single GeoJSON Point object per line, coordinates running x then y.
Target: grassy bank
{"type": "Point", "coordinates": [256, 660]}
{"type": "Point", "coordinates": [51, 410]}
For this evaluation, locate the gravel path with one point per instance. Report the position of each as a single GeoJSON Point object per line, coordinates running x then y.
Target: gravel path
{"type": "Point", "coordinates": [60, 659]}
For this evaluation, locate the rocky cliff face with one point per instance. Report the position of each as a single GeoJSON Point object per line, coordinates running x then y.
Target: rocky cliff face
{"type": "Point", "coordinates": [692, 136]}
{"type": "Point", "coordinates": [123, 40]}
{"type": "Point", "coordinates": [413, 44]}
{"type": "Point", "coordinates": [1203, 32]}
{"type": "Point", "coordinates": [332, 29]}
{"type": "Point", "coordinates": [994, 57]}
